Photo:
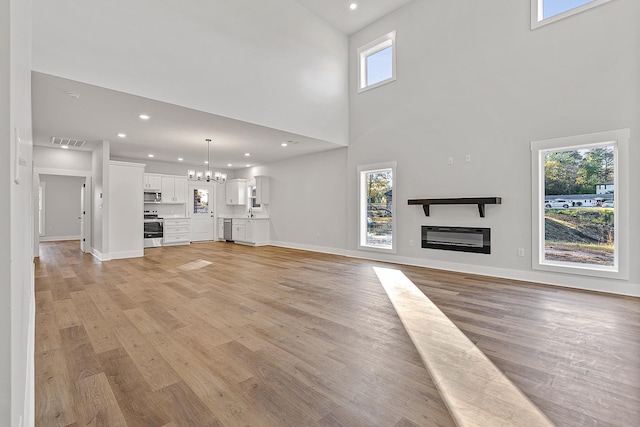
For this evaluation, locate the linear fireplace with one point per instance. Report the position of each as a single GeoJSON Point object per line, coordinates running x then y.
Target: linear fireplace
{"type": "Point", "coordinates": [464, 239]}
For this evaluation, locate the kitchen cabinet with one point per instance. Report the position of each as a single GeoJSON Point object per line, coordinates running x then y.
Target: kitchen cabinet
{"type": "Point", "coordinates": [262, 190]}
{"type": "Point", "coordinates": [239, 233]}
{"type": "Point", "coordinates": [152, 182]}
{"type": "Point", "coordinates": [176, 231]}
{"type": "Point", "coordinates": [251, 231]}
{"type": "Point", "coordinates": [174, 189]}
{"type": "Point", "coordinates": [236, 192]}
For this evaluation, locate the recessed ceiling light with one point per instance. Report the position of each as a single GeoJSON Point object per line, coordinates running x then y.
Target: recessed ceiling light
{"type": "Point", "coordinates": [206, 162]}
{"type": "Point", "coordinates": [64, 147]}
{"type": "Point", "coordinates": [74, 95]}
{"type": "Point", "coordinates": [284, 144]}
{"type": "Point", "coordinates": [353, 6]}
{"type": "Point", "coordinates": [247, 154]}
{"type": "Point", "coordinates": [248, 166]}
{"type": "Point", "coordinates": [144, 117]}
{"type": "Point", "coordinates": [150, 155]}
{"type": "Point", "coordinates": [122, 135]}
{"type": "Point", "coordinates": [229, 165]}
{"type": "Point", "coordinates": [180, 159]}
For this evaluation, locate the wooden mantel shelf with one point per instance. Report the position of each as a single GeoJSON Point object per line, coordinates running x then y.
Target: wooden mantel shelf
{"type": "Point", "coordinates": [480, 201]}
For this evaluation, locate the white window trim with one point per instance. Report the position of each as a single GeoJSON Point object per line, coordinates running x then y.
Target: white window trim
{"type": "Point", "coordinates": [362, 207]}
{"type": "Point", "coordinates": [368, 50]}
{"type": "Point", "coordinates": [537, 13]}
{"type": "Point", "coordinates": [619, 139]}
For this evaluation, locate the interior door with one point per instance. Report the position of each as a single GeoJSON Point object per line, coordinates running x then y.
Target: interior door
{"type": "Point", "coordinates": [85, 216]}
{"type": "Point", "coordinates": [201, 211]}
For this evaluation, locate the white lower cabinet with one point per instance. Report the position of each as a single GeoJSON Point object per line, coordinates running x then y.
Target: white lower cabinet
{"type": "Point", "coordinates": [252, 231]}
{"type": "Point", "coordinates": [176, 231]}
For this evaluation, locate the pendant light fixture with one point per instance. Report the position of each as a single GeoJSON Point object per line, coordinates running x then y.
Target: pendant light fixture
{"type": "Point", "coordinates": [208, 174]}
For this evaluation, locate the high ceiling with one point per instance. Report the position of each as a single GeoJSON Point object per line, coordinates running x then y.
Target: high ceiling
{"type": "Point", "coordinates": [69, 109]}
{"type": "Point", "coordinates": [338, 13]}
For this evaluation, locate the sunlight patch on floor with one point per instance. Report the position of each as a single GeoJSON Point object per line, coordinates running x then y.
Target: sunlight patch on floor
{"type": "Point", "coordinates": [475, 391]}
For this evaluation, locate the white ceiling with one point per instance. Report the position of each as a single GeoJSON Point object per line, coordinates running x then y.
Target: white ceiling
{"type": "Point", "coordinates": [337, 12]}
{"type": "Point", "coordinates": [171, 132]}
{"type": "Point", "coordinates": [174, 131]}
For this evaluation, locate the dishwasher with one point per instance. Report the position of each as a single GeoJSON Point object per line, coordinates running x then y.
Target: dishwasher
{"type": "Point", "coordinates": [228, 229]}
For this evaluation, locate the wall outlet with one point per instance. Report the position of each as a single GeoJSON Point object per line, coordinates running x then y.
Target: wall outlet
{"type": "Point", "coordinates": [317, 235]}
{"type": "Point", "coordinates": [520, 251]}
{"type": "Point", "coordinates": [411, 243]}
{"type": "Point", "coordinates": [467, 158]}
{"type": "Point", "coordinates": [450, 161]}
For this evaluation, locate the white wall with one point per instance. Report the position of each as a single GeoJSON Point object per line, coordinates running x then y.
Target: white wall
{"type": "Point", "coordinates": [57, 158]}
{"type": "Point", "coordinates": [62, 207]}
{"type": "Point", "coordinates": [308, 200]}
{"type": "Point", "coordinates": [100, 204]}
{"type": "Point", "coordinates": [125, 210]}
{"type": "Point", "coordinates": [272, 63]}
{"type": "Point", "coordinates": [16, 267]}
{"type": "Point", "coordinates": [472, 78]}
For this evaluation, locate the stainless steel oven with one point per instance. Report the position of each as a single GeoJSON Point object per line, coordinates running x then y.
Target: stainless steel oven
{"type": "Point", "coordinates": [153, 229]}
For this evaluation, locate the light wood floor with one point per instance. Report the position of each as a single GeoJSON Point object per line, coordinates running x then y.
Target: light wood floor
{"type": "Point", "coordinates": [223, 334]}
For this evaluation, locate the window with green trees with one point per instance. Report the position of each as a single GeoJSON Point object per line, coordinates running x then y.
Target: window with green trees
{"type": "Point", "coordinates": [580, 192]}
{"type": "Point", "coordinates": [377, 207]}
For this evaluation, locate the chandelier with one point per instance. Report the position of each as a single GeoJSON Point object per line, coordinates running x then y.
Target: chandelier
{"type": "Point", "coordinates": [207, 175]}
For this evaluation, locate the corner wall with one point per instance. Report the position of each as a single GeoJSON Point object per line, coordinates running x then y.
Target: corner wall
{"type": "Point", "coordinates": [308, 200]}
{"type": "Point", "coordinates": [473, 79]}
{"type": "Point", "coordinates": [16, 221]}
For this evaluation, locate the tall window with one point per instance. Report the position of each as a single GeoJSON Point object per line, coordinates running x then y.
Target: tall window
{"type": "Point", "coordinates": [546, 11]}
{"type": "Point", "coordinates": [377, 62]}
{"type": "Point", "coordinates": [377, 207]}
{"type": "Point", "coordinates": [579, 207]}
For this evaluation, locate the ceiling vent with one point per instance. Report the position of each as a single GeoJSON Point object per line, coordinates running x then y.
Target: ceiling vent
{"type": "Point", "coordinates": [68, 142]}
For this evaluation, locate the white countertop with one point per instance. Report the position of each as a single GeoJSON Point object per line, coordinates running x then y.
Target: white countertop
{"type": "Point", "coordinates": [224, 216]}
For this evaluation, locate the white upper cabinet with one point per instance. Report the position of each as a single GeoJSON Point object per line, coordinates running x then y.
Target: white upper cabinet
{"type": "Point", "coordinates": [152, 182]}
{"type": "Point", "coordinates": [262, 190]}
{"type": "Point", "coordinates": [236, 192]}
{"type": "Point", "coordinates": [174, 189]}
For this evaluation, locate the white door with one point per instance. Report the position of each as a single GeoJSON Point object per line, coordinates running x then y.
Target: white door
{"type": "Point", "coordinates": [201, 211]}
{"type": "Point", "coordinates": [85, 216]}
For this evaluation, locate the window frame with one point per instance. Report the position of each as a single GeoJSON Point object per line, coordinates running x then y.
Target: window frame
{"type": "Point", "coordinates": [619, 140]}
{"type": "Point", "coordinates": [362, 206]}
{"type": "Point", "coordinates": [537, 12]}
{"type": "Point", "coordinates": [371, 48]}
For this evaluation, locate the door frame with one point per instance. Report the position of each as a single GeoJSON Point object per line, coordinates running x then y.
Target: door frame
{"type": "Point", "coordinates": [192, 185]}
{"type": "Point", "coordinates": [89, 211]}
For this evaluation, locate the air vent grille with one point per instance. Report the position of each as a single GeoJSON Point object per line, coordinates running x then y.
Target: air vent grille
{"type": "Point", "coordinates": [56, 140]}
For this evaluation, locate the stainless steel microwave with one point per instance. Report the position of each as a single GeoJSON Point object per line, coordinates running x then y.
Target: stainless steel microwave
{"type": "Point", "coordinates": [152, 197]}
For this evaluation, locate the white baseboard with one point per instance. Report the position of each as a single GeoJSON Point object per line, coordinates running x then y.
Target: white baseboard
{"type": "Point", "coordinates": [58, 238]}
{"type": "Point", "coordinates": [126, 254]}
{"type": "Point", "coordinates": [99, 255]}
{"type": "Point", "coordinates": [619, 287]}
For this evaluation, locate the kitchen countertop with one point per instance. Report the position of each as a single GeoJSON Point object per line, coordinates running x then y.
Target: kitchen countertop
{"type": "Point", "coordinates": [241, 217]}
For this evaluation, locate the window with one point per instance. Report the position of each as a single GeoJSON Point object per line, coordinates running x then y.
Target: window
{"type": "Point", "coordinates": [577, 227]}
{"type": "Point", "coordinates": [200, 201]}
{"type": "Point", "coordinates": [547, 11]}
{"type": "Point", "coordinates": [377, 62]}
{"type": "Point", "coordinates": [377, 206]}
{"type": "Point", "coordinates": [252, 201]}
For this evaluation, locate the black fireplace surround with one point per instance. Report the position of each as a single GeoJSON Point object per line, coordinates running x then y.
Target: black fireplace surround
{"type": "Point", "coordinates": [462, 239]}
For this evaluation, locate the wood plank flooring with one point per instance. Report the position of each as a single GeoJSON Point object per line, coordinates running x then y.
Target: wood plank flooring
{"type": "Point", "coordinates": [217, 334]}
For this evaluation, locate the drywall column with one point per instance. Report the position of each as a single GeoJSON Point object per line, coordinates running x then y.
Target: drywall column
{"type": "Point", "coordinates": [125, 210]}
